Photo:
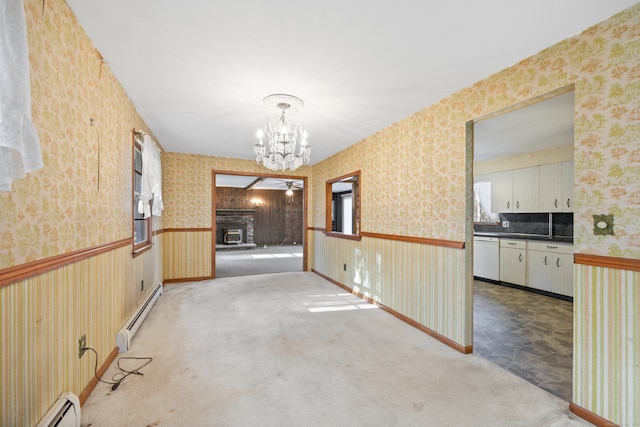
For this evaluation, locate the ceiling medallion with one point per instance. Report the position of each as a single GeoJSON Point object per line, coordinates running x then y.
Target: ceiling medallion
{"type": "Point", "coordinates": [282, 138]}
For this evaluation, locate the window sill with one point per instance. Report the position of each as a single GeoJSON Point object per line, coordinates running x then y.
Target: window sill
{"type": "Point", "coordinates": [343, 236]}
{"type": "Point", "coordinates": [140, 249]}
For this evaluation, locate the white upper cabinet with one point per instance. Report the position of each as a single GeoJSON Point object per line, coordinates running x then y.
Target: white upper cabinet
{"type": "Point", "coordinates": [556, 187]}
{"type": "Point", "coordinates": [502, 191]}
{"type": "Point", "coordinates": [546, 188]}
{"type": "Point", "coordinates": [525, 190]}
{"type": "Point", "coordinates": [551, 195]}
{"type": "Point", "coordinates": [567, 187]}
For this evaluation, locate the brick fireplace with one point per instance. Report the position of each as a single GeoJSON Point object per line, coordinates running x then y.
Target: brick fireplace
{"type": "Point", "coordinates": [234, 219]}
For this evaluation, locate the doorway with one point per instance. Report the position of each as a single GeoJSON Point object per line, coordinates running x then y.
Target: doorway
{"type": "Point", "coordinates": [523, 329]}
{"type": "Point", "coordinates": [258, 223]}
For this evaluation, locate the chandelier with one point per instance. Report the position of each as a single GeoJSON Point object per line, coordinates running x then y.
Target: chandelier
{"type": "Point", "coordinates": [282, 139]}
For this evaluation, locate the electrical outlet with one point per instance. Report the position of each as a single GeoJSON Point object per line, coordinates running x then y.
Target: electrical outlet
{"type": "Point", "coordinates": [82, 346]}
{"type": "Point", "coordinates": [505, 224]}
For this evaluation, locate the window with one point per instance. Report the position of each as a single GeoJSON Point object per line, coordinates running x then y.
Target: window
{"type": "Point", "coordinates": [141, 225]}
{"type": "Point", "coordinates": [482, 201]}
{"type": "Point", "coordinates": [343, 204]}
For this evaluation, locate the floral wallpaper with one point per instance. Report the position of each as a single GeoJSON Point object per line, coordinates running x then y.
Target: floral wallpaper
{"type": "Point", "coordinates": [413, 172]}
{"type": "Point", "coordinates": [82, 196]}
{"type": "Point", "coordinates": [413, 179]}
{"type": "Point", "coordinates": [187, 185]}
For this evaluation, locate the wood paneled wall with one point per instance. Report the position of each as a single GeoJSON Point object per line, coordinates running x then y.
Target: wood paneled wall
{"type": "Point", "coordinates": [276, 215]}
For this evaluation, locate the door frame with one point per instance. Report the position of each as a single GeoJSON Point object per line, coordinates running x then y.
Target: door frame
{"type": "Point", "coordinates": [305, 194]}
{"type": "Point", "coordinates": [469, 225]}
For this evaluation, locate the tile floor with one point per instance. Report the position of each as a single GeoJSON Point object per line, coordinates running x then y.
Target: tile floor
{"type": "Point", "coordinates": [528, 334]}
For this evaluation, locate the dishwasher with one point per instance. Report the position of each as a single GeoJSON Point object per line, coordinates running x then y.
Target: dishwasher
{"type": "Point", "coordinates": [486, 257]}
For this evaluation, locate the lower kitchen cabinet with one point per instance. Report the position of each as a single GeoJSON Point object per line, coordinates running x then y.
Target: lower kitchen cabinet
{"type": "Point", "coordinates": [513, 261]}
{"type": "Point", "coordinates": [550, 267]}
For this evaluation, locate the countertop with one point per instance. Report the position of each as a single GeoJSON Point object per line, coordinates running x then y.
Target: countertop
{"type": "Point", "coordinates": [545, 238]}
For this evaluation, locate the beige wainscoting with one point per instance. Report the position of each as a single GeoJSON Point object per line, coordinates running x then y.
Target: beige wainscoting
{"type": "Point", "coordinates": [606, 373]}
{"type": "Point", "coordinates": [186, 254]}
{"type": "Point", "coordinates": [423, 282]}
{"type": "Point", "coordinates": [42, 319]}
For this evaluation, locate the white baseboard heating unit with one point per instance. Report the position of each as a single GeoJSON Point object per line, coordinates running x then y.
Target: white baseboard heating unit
{"type": "Point", "coordinates": [65, 412]}
{"type": "Point", "coordinates": [125, 335]}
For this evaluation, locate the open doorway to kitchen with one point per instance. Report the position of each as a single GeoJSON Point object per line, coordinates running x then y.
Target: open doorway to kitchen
{"type": "Point", "coordinates": [523, 240]}
{"type": "Point", "coordinates": [259, 223]}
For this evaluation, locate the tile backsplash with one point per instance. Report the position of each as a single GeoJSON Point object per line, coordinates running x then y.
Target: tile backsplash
{"type": "Point", "coordinates": [534, 223]}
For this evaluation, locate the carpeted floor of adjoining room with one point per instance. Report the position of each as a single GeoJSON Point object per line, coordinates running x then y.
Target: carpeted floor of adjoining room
{"type": "Point", "coordinates": [259, 260]}
{"type": "Point", "coordinates": [292, 349]}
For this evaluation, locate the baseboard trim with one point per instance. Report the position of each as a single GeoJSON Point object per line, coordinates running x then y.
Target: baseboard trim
{"type": "Point", "coordinates": [587, 415]}
{"type": "Point", "coordinates": [187, 279]}
{"type": "Point", "coordinates": [94, 380]}
{"type": "Point", "coordinates": [462, 349]}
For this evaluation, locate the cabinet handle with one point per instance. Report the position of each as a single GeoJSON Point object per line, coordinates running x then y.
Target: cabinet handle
{"type": "Point", "coordinates": [520, 257]}
{"type": "Point", "coordinates": [555, 203]}
{"type": "Point", "coordinates": [508, 205]}
{"type": "Point", "coordinates": [511, 243]}
{"type": "Point", "coordinates": [552, 247]}
{"type": "Point", "coordinates": [518, 204]}
{"type": "Point", "coordinates": [558, 262]}
{"type": "Point", "coordinates": [545, 260]}
{"type": "Point", "coordinates": [568, 203]}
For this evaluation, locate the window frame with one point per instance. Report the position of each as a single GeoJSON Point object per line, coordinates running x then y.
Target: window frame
{"type": "Point", "coordinates": [141, 246]}
{"type": "Point", "coordinates": [330, 207]}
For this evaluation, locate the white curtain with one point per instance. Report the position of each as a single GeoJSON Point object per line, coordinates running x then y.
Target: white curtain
{"type": "Point", "coordinates": [19, 144]}
{"type": "Point", "coordinates": [151, 179]}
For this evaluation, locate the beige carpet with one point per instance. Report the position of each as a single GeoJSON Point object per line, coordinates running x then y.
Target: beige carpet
{"type": "Point", "coordinates": [261, 260]}
{"type": "Point", "coordinates": [292, 349]}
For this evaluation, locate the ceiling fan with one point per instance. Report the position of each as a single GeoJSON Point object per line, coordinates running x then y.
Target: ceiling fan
{"type": "Point", "coordinates": [291, 186]}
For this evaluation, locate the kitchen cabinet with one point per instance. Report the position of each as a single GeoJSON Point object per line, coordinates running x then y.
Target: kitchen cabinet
{"type": "Point", "coordinates": [551, 194]}
{"type": "Point", "coordinates": [556, 187]}
{"type": "Point", "coordinates": [502, 191]}
{"type": "Point", "coordinates": [513, 261]}
{"type": "Point", "coordinates": [526, 187]}
{"type": "Point", "coordinates": [567, 187]}
{"type": "Point", "coordinates": [550, 267]}
{"type": "Point", "coordinates": [515, 190]}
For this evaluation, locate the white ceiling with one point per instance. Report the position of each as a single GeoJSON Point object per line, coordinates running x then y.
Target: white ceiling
{"type": "Point", "coordinates": [197, 70]}
{"type": "Point", "coordinates": [536, 127]}
{"type": "Point", "coordinates": [242, 181]}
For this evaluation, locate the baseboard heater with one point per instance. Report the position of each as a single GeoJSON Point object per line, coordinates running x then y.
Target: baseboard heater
{"type": "Point", "coordinates": [125, 335]}
{"type": "Point", "coordinates": [65, 412]}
